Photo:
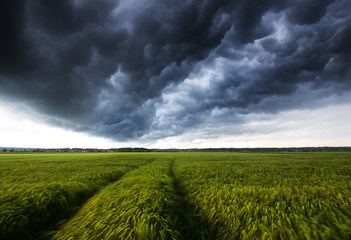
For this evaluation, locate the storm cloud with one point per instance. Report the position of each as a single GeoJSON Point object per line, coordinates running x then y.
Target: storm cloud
{"type": "Point", "coordinates": [154, 69]}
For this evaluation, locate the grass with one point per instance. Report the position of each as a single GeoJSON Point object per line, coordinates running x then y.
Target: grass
{"type": "Point", "coordinates": [39, 190]}
{"type": "Point", "coordinates": [176, 195]}
{"type": "Point", "coordinates": [271, 196]}
{"type": "Point", "coordinates": [136, 207]}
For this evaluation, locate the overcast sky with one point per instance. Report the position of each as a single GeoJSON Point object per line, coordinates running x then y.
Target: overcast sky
{"type": "Point", "coordinates": [151, 73]}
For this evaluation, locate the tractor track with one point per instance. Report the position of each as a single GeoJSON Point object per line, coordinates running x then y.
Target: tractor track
{"type": "Point", "coordinates": [189, 223]}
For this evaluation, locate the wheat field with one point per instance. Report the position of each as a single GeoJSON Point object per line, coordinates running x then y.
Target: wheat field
{"type": "Point", "coordinates": [175, 196]}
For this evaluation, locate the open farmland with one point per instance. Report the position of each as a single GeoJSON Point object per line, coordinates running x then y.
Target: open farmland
{"type": "Point", "coordinates": [175, 196]}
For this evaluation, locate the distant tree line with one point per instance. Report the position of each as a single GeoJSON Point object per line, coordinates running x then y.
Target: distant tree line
{"type": "Point", "coordinates": [131, 149]}
{"type": "Point", "coordinates": [5, 150]}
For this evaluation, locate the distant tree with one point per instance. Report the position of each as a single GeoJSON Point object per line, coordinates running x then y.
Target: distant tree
{"type": "Point", "coordinates": [4, 150]}
{"type": "Point", "coordinates": [12, 150]}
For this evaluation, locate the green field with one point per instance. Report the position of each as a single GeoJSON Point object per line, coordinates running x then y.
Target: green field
{"type": "Point", "coordinates": [175, 196]}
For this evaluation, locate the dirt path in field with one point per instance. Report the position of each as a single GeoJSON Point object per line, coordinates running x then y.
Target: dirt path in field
{"type": "Point", "coordinates": [190, 224]}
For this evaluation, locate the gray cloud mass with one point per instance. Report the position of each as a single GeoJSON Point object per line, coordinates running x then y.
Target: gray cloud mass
{"type": "Point", "coordinates": [153, 69]}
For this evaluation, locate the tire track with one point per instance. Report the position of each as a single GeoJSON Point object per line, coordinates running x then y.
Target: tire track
{"type": "Point", "coordinates": [188, 222]}
{"type": "Point", "coordinates": [135, 207]}
{"type": "Point", "coordinates": [49, 232]}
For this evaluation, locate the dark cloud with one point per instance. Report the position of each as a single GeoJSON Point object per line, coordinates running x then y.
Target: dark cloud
{"type": "Point", "coordinates": [12, 46]}
{"type": "Point", "coordinates": [151, 69]}
{"type": "Point", "coordinates": [307, 12]}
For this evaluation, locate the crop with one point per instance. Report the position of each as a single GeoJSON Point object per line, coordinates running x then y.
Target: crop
{"type": "Point", "coordinates": [39, 190]}
{"type": "Point", "coordinates": [135, 207]}
{"type": "Point", "coordinates": [145, 204]}
{"type": "Point", "coordinates": [271, 196]}
{"type": "Point", "coordinates": [176, 196]}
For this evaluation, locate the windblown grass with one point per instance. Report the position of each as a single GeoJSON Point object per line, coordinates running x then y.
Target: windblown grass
{"type": "Point", "coordinates": [177, 195]}
{"type": "Point", "coordinates": [38, 190]}
{"type": "Point", "coordinates": [271, 196]}
{"type": "Point", "coordinates": [139, 206]}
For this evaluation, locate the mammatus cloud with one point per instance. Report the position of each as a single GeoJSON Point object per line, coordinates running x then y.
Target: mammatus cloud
{"type": "Point", "coordinates": [156, 69]}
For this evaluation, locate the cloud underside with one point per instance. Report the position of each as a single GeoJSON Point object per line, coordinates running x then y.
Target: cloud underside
{"type": "Point", "coordinates": [156, 69]}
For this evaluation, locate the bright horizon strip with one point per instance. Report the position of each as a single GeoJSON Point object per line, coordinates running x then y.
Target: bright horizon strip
{"type": "Point", "coordinates": [18, 131]}
{"type": "Point", "coordinates": [326, 126]}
